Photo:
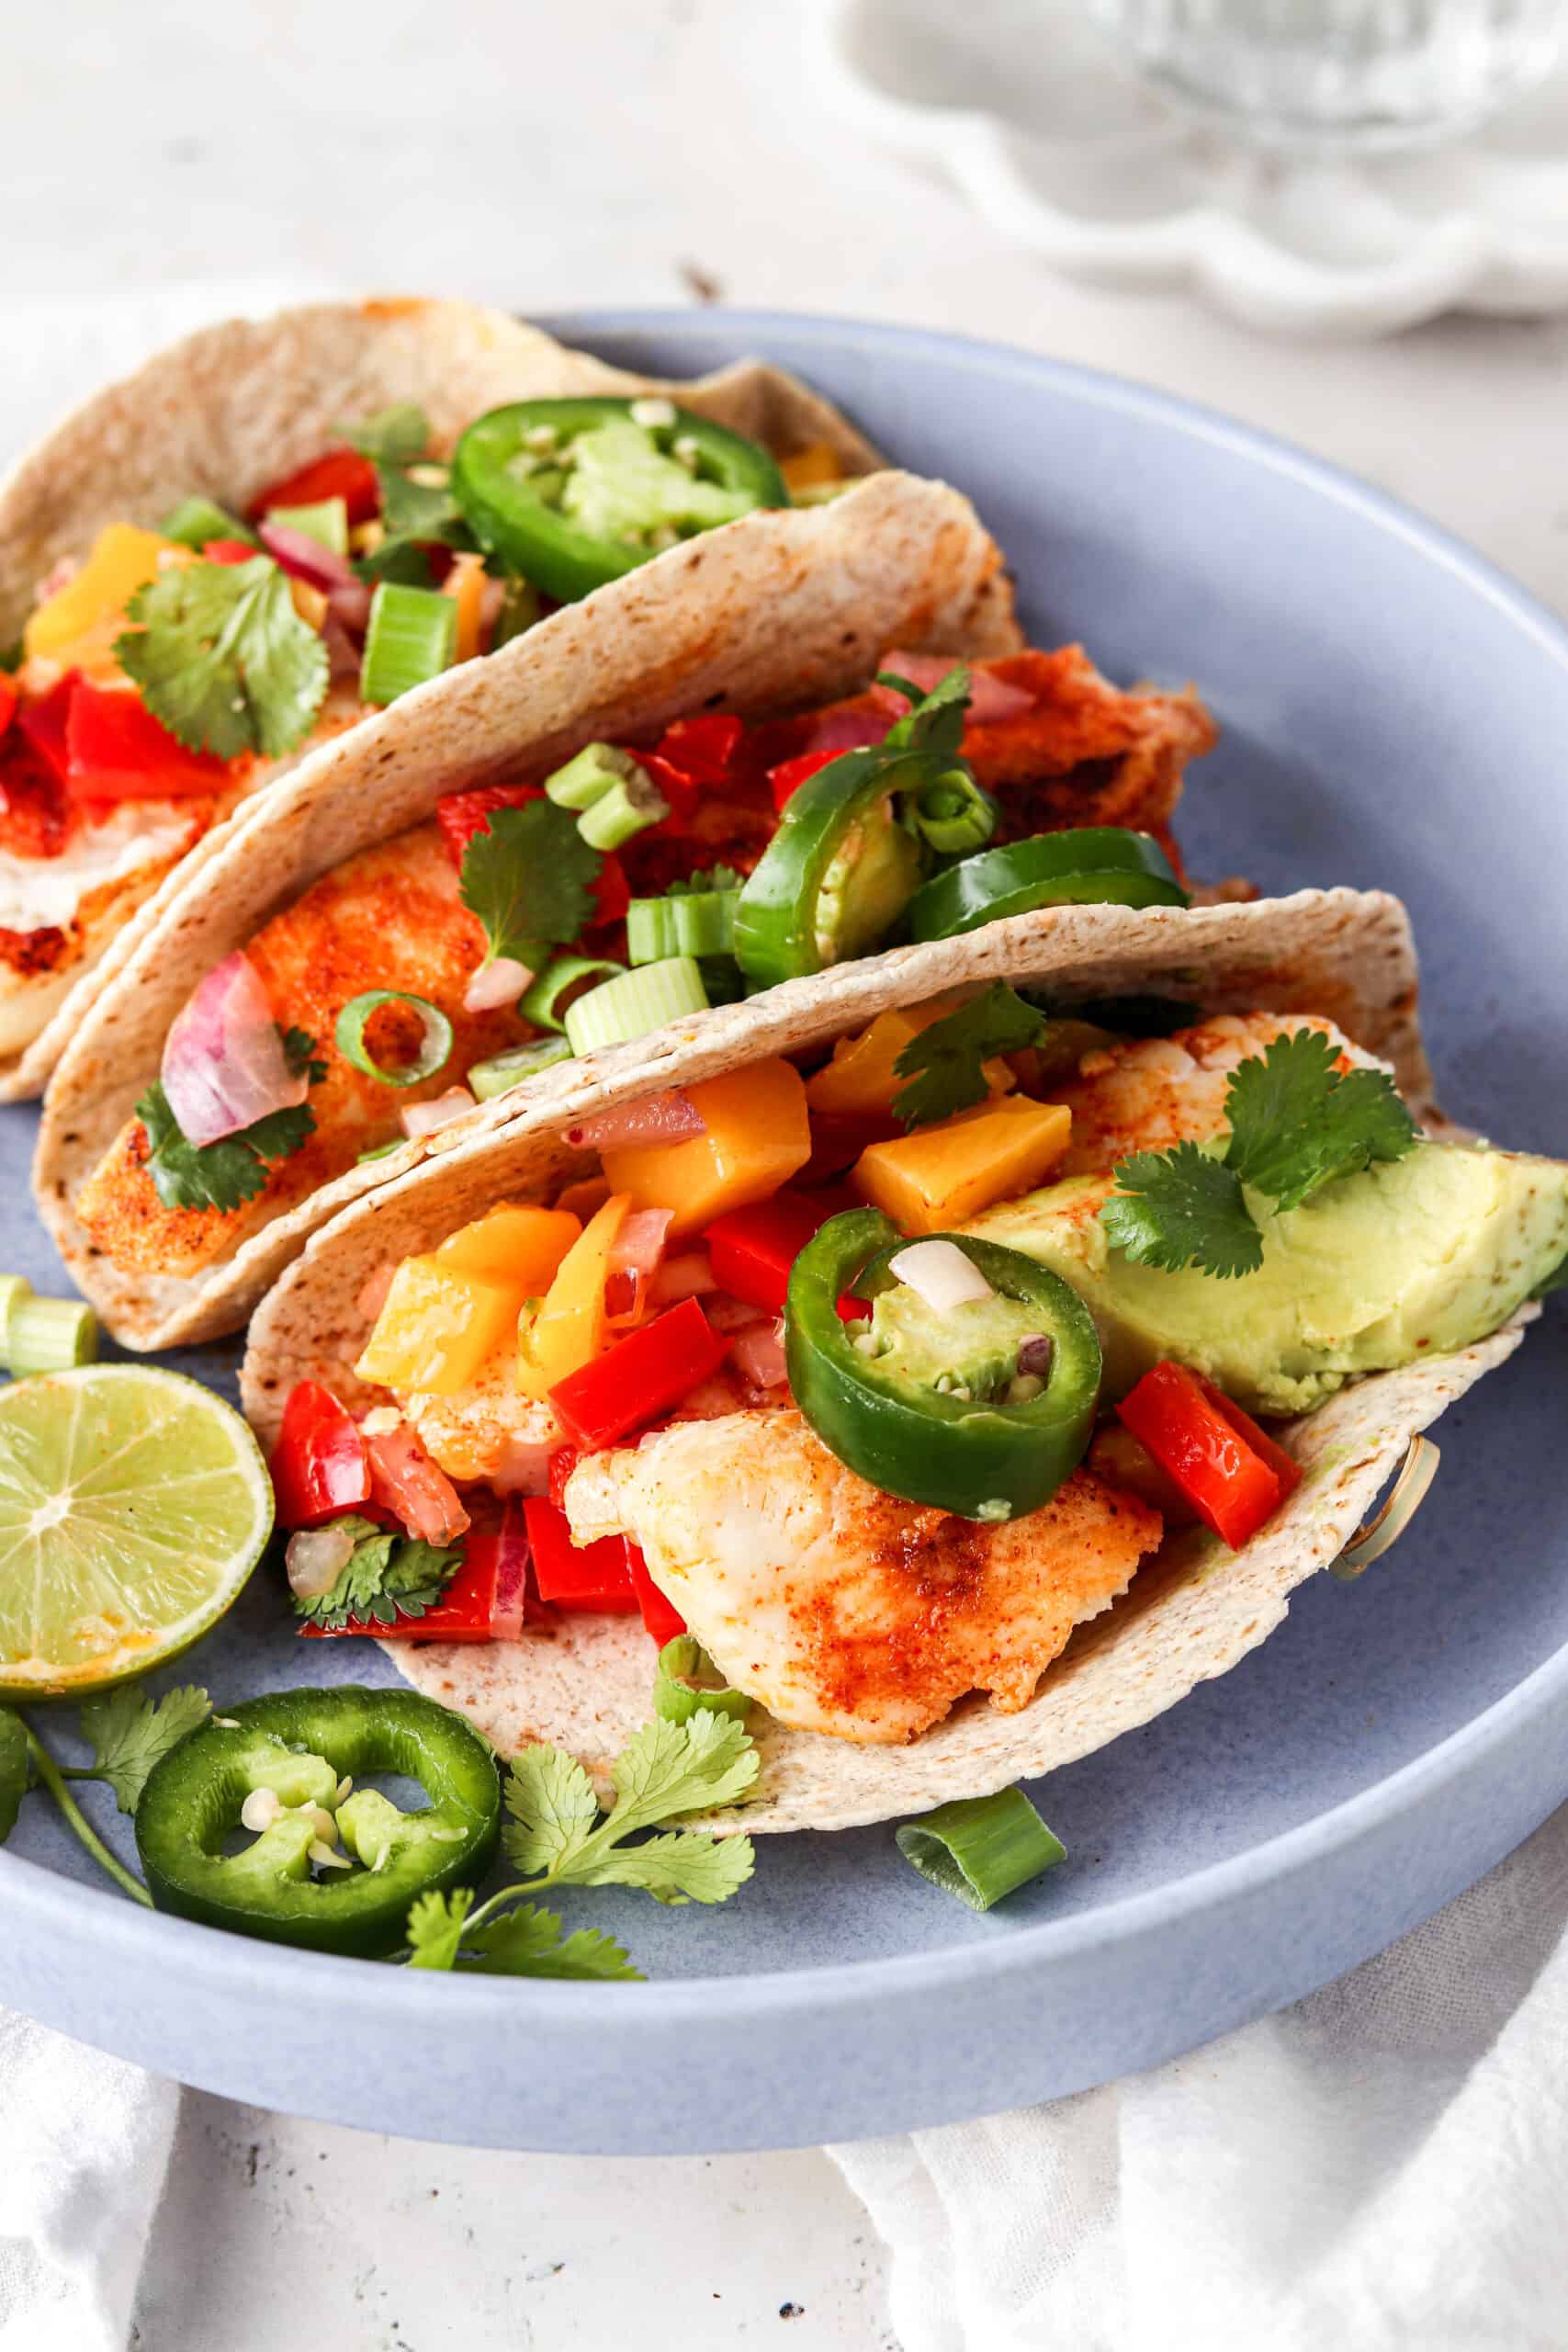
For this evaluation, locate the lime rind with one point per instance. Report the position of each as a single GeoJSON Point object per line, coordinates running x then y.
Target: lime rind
{"type": "Point", "coordinates": [134, 1504]}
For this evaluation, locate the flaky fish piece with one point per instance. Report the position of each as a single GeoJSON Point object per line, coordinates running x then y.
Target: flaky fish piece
{"type": "Point", "coordinates": [839, 1608]}
{"type": "Point", "coordinates": [387, 919]}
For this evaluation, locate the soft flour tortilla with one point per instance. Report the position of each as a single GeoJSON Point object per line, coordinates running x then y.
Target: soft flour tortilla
{"type": "Point", "coordinates": [775, 611]}
{"type": "Point", "coordinates": [1190, 1614]}
{"type": "Point", "coordinates": [240, 404]}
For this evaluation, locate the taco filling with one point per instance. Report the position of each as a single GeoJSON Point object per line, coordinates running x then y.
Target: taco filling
{"type": "Point", "coordinates": [164, 673]}
{"type": "Point", "coordinates": [639, 883]}
{"type": "Point", "coordinates": [878, 1377]}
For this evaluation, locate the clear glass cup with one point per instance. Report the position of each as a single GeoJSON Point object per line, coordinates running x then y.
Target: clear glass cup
{"type": "Point", "coordinates": [1346, 74]}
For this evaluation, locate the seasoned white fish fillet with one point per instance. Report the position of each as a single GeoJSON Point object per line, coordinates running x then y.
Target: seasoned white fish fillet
{"type": "Point", "coordinates": [839, 1608]}
{"type": "Point", "coordinates": [491, 1433]}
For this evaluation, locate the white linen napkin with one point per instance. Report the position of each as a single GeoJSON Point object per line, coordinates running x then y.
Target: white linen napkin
{"type": "Point", "coordinates": [1383, 2166]}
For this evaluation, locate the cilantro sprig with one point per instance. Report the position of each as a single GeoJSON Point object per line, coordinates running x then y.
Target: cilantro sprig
{"type": "Point", "coordinates": [1296, 1123]}
{"type": "Point", "coordinates": [558, 1836]}
{"type": "Point", "coordinates": [386, 1577]}
{"type": "Point", "coordinates": [225, 1174]}
{"type": "Point", "coordinates": [945, 1064]}
{"type": "Point", "coordinates": [529, 878]}
{"type": "Point", "coordinates": [129, 1734]}
{"type": "Point", "coordinates": [418, 509]}
{"type": "Point", "coordinates": [223, 659]}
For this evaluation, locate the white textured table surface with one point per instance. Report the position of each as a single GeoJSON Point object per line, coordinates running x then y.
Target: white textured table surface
{"type": "Point", "coordinates": [639, 151]}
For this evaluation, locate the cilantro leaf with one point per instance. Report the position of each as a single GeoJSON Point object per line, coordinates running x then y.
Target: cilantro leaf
{"type": "Point", "coordinates": [130, 1733]}
{"type": "Point", "coordinates": [681, 1866]}
{"type": "Point", "coordinates": [529, 878]}
{"type": "Point", "coordinates": [528, 1943]}
{"type": "Point", "coordinates": [551, 1801]}
{"type": "Point", "coordinates": [386, 1577]}
{"type": "Point", "coordinates": [934, 724]}
{"type": "Point", "coordinates": [416, 513]}
{"type": "Point", "coordinates": [299, 1053]}
{"type": "Point", "coordinates": [945, 1064]}
{"type": "Point", "coordinates": [1182, 1208]}
{"type": "Point", "coordinates": [223, 659]}
{"type": "Point", "coordinates": [668, 1769]}
{"type": "Point", "coordinates": [436, 1927]}
{"type": "Point", "coordinates": [663, 1771]}
{"type": "Point", "coordinates": [392, 436]}
{"type": "Point", "coordinates": [219, 1175]}
{"type": "Point", "coordinates": [1296, 1123]}
{"type": "Point", "coordinates": [13, 1769]}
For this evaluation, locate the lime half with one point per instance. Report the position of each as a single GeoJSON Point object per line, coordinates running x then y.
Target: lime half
{"type": "Point", "coordinates": [133, 1506]}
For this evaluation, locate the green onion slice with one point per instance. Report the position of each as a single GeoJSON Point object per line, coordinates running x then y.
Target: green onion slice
{"type": "Point", "coordinates": [435, 1039]}
{"type": "Point", "coordinates": [981, 1848]}
{"type": "Point", "coordinates": [43, 1334]}
{"type": "Point", "coordinates": [686, 1680]}
{"type": "Point", "coordinates": [701, 922]}
{"type": "Point", "coordinates": [1376, 1536]}
{"type": "Point", "coordinates": [519, 1063]}
{"type": "Point", "coordinates": [326, 522]}
{"type": "Point", "coordinates": [954, 815]}
{"type": "Point", "coordinates": [412, 638]}
{"type": "Point", "coordinates": [635, 1003]}
{"type": "Point", "coordinates": [589, 776]}
{"type": "Point", "coordinates": [628, 808]}
{"type": "Point", "coordinates": [548, 996]}
{"type": "Point", "coordinates": [381, 1151]}
{"type": "Point", "coordinates": [197, 520]}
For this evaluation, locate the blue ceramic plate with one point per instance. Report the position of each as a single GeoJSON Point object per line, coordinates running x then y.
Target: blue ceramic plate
{"type": "Point", "coordinates": [1392, 712]}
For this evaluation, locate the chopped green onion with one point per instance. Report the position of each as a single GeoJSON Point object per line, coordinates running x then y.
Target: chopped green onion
{"type": "Point", "coordinates": [382, 1151]}
{"type": "Point", "coordinates": [590, 775]}
{"type": "Point", "coordinates": [412, 638]}
{"type": "Point", "coordinates": [628, 808]}
{"type": "Point", "coordinates": [545, 1000]}
{"type": "Point", "coordinates": [723, 978]}
{"type": "Point", "coordinates": [686, 1680]}
{"type": "Point", "coordinates": [635, 1003]}
{"type": "Point", "coordinates": [43, 1334]}
{"type": "Point", "coordinates": [701, 922]}
{"type": "Point", "coordinates": [981, 1847]}
{"type": "Point", "coordinates": [325, 521]}
{"type": "Point", "coordinates": [520, 608]}
{"type": "Point", "coordinates": [197, 520]}
{"type": "Point", "coordinates": [435, 1039]}
{"type": "Point", "coordinates": [504, 1071]}
{"type": "Point", "coordinates": [953, 815]}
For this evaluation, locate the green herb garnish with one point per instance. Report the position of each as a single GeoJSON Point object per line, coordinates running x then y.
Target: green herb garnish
{"type": "Point", "coordinates": [225, 1174]}
{"type": "Point", "coordinates": [945, 1064]}
{"type": "Point", "coordinates": [130, 1733]}
{"type": "Point", "coordinates": [1296, 1123]}
{"type": "Point", "coordinates": [386, 1577]}
{"type": "Point", "coordinates": [529, 878]}
{"type": "Point", "coordinates": [223, 659]}
{"type": "Point", "coordinates": [415, 514]}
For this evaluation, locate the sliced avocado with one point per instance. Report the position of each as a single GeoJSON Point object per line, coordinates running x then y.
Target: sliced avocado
{"type": "Point", "coordinates": [1413, 1257]}
{"type": "Point", "coordinates": [875, 873]}
{"type": "Point", "coordinates": [970, 1349]}
{"type": "Point", "coordinates": [622, 486]}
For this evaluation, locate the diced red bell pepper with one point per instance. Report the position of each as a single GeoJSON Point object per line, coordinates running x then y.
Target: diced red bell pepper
{"type": "Point", "coordinates": [116, 750]}
{"type": "Point", "coordinates": [641, 1376]}
{"type": "Point", "coordinates": [340, 473]}
{"type": "Point", "coordinates": [703, 748]}
{"type": "Point", "coordinates": [229, 551]}
{"type": "Point", "coordinates": [43, 723]}
{"type": "Point", "coordinates": [594, 1576]}
{"type": "Point", "coordinates": [1233, 1475]}
{"type": "Point", "coordinates": [563, 1461]}
{"type": "Point", "coordinates": [10, 693]}
{"type": "Point", "coordinates": [319, 1466]}
{"type": "Point", "coordinates": [788, 777]}
{"type": "Point", "coordinates": [753, 1249]}
{"type": "Point", "coordinates": [463, 814]}
{"type": "Point", "coordinates": [680, 789]}
{"type": "Point", "coordinates": [661, 1617]}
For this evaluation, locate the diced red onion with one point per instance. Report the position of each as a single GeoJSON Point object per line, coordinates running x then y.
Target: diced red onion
{"type": "Point", "coordinates": [493, 985]}
{"type": "Point", "coordinates": [941, 1273]}
{"type": "Point", "coordinates": [657, 1118]}
{"type": "Point", "coordinates": [416, 1490]}
{"type": "Point", "coordinates": [758, 1354]}
{"type": "Point", "coordinates": [991, 697]}
{"type": "Point", "coordinates": [343, 654]}
{"type": "Point", "coordinates": [726, 1314]}
{"type": "Point", "coordinates": [224, 1064]}
{"type": "Point", "coordinates": [424, 1118]}
{"type": "Point", "coordinates": [511, 1575]}
{"type": "Point", "coordinates": [306, 558]}
{"type": "Point", "coordinates": [689, 1276]}
{"type": "Point", "coordinates": [1037, 1354]}
{"type": "Point", "coordinates": [632, 1264]}
{"type": "Point", "coordinates": [376, 1289]}
{"type": "Point", "coordinates": [349, 604]}
{"type": "Point", "coordinates": [315, 1559]}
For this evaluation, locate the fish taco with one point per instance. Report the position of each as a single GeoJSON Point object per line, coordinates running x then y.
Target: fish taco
{"type": "Point", "coordinates": [277, 528]}
{"type": "Point", "coordinates": [945, 1451]}
{"type": "Point", "coordinates": [759, 758]}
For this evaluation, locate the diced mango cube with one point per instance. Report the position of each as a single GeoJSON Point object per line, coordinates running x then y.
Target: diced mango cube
{"type": "Point", "coordinates": [809, 468]}
{"type": "Point", "coordinates": [465, 584]}
{"type": "Point", "coordinates": [860, 1081]}
{"type": "Point", "coordinates": [437, 1327]}
{"type": "Point", "coordinates": [75, 620]}
{"type": "Point", "coordinates": [757, 1135]}
{"type": "Point", "coordinates": [941, 1176]}
{"type": "Point", "coordinates": [518, 1246]}
{"type": "Point", "coordinates": [569, 1328]}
